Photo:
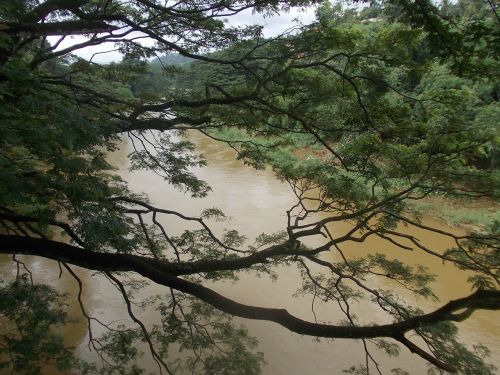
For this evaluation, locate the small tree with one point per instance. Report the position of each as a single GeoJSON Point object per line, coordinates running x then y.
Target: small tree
{"type": "Point", "coordinates": [385, 111]}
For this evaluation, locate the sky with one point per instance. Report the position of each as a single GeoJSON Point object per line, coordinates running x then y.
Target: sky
{"type": "Point", "coordinates": [272, 26]}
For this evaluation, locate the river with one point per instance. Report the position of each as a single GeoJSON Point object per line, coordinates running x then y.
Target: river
{"type": "Point", "coordinates": [256, 202]}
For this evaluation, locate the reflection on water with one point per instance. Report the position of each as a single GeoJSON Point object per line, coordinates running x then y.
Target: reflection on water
{"type": "Point", "coordinates": [256, 201]}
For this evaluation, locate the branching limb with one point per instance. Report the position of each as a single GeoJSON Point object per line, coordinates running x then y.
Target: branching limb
{"type": "Point", "coordinates": [481, 299]}
{"type": "Point", "coordinates": [161, 363]}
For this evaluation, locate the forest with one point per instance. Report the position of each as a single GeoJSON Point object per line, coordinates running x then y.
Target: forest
{"type": "Point", "coordinates": [376, 117]}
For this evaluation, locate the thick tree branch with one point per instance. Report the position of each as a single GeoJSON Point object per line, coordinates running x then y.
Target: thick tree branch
{"type": "Point", "coordinates": [57, 28]}
{"type": "Point", "coordinates": [153, 270]}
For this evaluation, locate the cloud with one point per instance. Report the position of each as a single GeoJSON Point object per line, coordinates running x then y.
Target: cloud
{"type": "Point", "coordinates": [273, 26]}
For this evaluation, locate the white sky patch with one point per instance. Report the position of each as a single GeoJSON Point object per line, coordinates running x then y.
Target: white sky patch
{"type": "Point", "coordinates": [273, 26]}
{"type": "Point", "coordinates": [102, 53]}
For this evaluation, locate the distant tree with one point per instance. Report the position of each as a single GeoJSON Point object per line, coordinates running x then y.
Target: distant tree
{"type": "Point", "coordinates": [384, 112]}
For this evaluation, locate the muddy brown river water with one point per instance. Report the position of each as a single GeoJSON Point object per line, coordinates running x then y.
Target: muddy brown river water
{"type": "Point", "coordinates": [256, 201]}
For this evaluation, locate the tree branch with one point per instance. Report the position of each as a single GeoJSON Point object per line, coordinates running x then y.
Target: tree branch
{"type": "Point", "coordinates": [153, 270]}
{"type": "Point", "coordinates": [57, 28]}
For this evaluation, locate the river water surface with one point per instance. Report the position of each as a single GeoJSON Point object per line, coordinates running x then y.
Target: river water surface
{"type": "Point", "coordinates": [256, 202]}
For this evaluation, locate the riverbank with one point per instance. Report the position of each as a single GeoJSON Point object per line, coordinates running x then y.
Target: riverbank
{"type": "Point", "coordinates": [477, 214]}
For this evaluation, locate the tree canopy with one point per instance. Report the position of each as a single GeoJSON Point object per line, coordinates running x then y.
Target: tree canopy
{"type": "Point", "coordinates": [363, 113]}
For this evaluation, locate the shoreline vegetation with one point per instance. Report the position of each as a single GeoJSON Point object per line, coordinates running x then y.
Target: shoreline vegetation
{"type": "Point", "coordinates": [474, 214]}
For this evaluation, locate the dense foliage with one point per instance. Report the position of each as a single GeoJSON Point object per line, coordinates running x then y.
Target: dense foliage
{"type": "Point", "coordinates": [362, 112]}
